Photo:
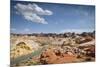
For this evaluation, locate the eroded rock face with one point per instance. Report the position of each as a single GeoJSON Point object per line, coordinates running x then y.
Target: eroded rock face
{"type": "Point", "coordinates": [54, 56]}
{"type": "Point", "coordinates": [67, 54]}
{"type": "Point", "coordinates": [57, 50]}
{"type": "Point", "coordinates": [90, 50]}
{"type": "Point", "coordinates": [21, 49]}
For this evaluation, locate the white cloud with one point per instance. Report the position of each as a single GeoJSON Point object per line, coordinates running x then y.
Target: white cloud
{"type": "Point", "coordinates": [32, 12]}
{"type": "Point", "coordinates": [35, 18]}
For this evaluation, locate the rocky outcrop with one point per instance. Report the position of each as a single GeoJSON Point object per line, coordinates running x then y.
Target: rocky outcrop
{"type": "Point", "coordinates": [56, 56]}
{"type": "Point", "coordinates": [21, 49]}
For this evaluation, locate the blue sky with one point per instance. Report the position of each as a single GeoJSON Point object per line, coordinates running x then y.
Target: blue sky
{"type": "Point", "coordinates": [35, 17]}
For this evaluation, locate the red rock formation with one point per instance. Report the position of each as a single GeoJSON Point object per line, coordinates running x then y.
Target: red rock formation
{"type": "Point", "coordinates": [51, 57]}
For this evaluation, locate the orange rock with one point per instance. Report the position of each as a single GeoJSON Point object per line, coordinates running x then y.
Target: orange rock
{"type": "Point", "coordinates": [49, 57]}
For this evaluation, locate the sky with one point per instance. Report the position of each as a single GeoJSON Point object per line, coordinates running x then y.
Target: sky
{"type": "Point", "coordinates": [37, 17]}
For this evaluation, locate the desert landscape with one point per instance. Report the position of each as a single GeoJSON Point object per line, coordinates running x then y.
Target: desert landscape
{"type": "Point", "coordinates": [52, 48]}
{"type": "Point", "coordinates": [51, 33]}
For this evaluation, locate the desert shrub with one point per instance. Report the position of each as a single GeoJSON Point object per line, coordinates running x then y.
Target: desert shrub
{"type": "Point", "coordinates": [88, 39]}
{"type": "Point", "coordinates": [35, 63]}
{"type": "Point", "coordinates": [78, 56]}
{"type": "Point", "coordinates": [77, 41]}
{"type": "Point", "coordinates": [91, 54]}
{"type": "Point", "coordinates": [17, 64]}
{"type": "Point", "coordinates": [43, 44]}
{"type": "Point", "coordinates": [88, 59]}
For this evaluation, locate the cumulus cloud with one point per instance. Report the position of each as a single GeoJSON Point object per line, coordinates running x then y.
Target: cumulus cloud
{"type": "Point", "coordinates": [32, 12]}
